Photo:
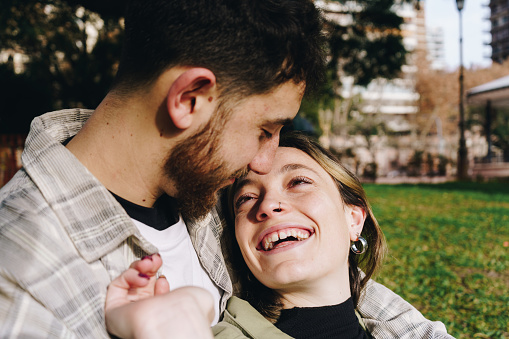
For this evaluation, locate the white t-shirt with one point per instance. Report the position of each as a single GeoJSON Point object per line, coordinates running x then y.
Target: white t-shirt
{"type": "Point", "coordinates": [181, 266]}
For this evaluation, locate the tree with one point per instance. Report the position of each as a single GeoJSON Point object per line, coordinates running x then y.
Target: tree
{"type": "Point", "coordinates": [439, 99]}
{"type": "Point", "coordinates": [70, 55]}
{"type": "Point", "coordinates": [500, 134]}
{"type": "Point", "coordinates": [364, 42]}
{"type": "Point", "coordinates": [67, 67]}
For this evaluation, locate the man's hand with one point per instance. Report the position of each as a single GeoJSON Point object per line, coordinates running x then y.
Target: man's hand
{"type": "Point", "coordinates": [139, 306]}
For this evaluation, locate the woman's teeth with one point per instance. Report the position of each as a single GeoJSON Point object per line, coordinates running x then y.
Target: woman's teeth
{"type": "Point", "coordinates": [273, 239]}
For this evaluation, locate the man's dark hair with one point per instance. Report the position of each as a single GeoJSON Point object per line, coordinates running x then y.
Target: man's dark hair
{"type": "Point", "coordinates": [250, 46]}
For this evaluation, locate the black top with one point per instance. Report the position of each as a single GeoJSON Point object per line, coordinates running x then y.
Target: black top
{"type": "Point", "coordinates": [162, 215]}
{"type": "Point", "coordinates": [336, 321]}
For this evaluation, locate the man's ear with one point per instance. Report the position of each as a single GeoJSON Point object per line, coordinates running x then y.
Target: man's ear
{"type": "Point", "coordinates": [356, 216]}
{"type": "Point", "coordinates": [192, 90]}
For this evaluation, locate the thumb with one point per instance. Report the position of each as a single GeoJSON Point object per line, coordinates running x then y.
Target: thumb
{"type": "Point", "coordinates": [162, 286]}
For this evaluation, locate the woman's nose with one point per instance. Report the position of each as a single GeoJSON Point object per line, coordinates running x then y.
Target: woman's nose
{"type": "Point", "coordinates": [268, 208]}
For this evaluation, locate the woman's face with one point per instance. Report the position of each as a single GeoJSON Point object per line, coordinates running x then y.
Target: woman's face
{"type": "Point", "coordinates": [292, 227]}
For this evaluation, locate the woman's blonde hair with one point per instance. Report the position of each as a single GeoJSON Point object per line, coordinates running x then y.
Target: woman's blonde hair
{"type": "Point", "coordinates": [265, 300]}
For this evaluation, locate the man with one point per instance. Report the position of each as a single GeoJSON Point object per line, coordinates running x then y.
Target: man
{"type": "Point", "coordinates": [202, 91]}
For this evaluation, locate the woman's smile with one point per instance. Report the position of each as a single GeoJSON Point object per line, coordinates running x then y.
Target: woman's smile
{"type": "Point", "coordinates": [283, 236]}
{"type": "Point", "coordinates": [291, 224]}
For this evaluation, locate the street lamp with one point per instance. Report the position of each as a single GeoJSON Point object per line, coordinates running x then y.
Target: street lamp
{"type": "Point", "coordinates": [462, 170]}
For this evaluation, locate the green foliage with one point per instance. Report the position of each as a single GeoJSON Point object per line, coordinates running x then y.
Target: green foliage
{"type": "Point", "coordinates": [499, 126]}
{"type": "Point", "coordinates": [367, 125]}
{"type": "Point", "coordinates": [415, 164]}
{"type": "Point", "coordinates": [309, 110]}
{"type": "Point", "coordinates": [501, 133]}
{"type": "Point", "coordinates": [64, 71]}
{"type": "Point", "coordinates": [370, 46]}
{"type": "Point", "coordinates": [369, 171]}
{"type": "Point", "coordinates": [442, 164]}
{"type": "Point", "coordinates": [68, 70]}
{"type": "Point", "coordinates": [367, 44]}
{"type": "Point", "coordinates": [449, 252]}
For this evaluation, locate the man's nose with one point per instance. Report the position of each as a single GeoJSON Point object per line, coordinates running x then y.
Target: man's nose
{"type": "Point", "coordinates": [262, 162]}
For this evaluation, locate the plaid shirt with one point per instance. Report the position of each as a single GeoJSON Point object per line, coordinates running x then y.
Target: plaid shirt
{"type": "Point", "coordinates": [387, 315]}
{"type": "Point", "coordinates": [63, 238]}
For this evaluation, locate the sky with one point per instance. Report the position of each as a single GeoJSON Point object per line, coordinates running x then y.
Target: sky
{"type": "Point", "coordinates": [476, 26]}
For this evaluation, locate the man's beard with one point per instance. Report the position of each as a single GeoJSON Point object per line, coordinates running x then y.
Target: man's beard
{"type": "Point", "coordinates": [197, 171]}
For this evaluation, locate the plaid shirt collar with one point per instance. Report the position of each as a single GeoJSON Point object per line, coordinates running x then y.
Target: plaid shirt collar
{"type": "Point", "coordinates": [58, 175]}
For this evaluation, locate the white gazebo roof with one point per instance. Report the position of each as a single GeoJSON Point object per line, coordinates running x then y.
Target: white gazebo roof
{"type": "Point", "coordinates": [496, 91]}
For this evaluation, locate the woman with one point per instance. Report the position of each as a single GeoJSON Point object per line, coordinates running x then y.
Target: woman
{"type": "Point", "coordinates": [297, 240]}
{"type": "Point", "coordinates": [290, 243]}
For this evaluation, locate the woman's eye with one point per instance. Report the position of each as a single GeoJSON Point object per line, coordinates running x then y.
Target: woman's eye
{"type": "Point", "coordinates": [242, 199]}
{"type": "Point", "coordinates": [299, 181]}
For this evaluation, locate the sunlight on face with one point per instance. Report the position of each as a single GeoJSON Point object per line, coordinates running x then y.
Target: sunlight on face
{"type": "Point", "coordinates": [251, 134]}
{"type": "Point", "coordinates": [291, 225]}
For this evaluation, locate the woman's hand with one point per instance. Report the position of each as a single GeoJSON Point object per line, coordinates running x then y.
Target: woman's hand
{"type": "Point", "coordinates": [138, 305]}
{"type": "Point", "coordinates": [137, 282]}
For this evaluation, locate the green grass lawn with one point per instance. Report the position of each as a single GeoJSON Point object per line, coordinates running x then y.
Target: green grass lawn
{"type": "Point", "coordinates": [449, 252]}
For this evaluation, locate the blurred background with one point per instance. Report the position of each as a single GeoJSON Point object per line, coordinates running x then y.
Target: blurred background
{"type": "Point", "coordinates": [416, 104]}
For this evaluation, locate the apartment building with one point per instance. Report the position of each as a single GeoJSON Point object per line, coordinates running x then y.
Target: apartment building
{"type": "Point", "coordinates": [499, 30]}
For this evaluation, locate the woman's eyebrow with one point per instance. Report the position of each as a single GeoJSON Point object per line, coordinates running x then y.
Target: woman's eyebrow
{"type": "Point", "coordinates": [286, 168]}
{"type": "Point", "coordinates": [295, 166]}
